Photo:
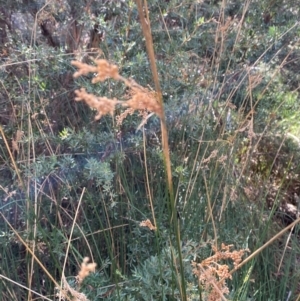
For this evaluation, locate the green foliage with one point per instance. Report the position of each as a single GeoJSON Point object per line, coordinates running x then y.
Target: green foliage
{"type": "Point", "coordinates": [230, 81]}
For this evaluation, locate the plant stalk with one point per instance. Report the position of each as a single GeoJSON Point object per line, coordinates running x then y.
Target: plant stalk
{"type": "Point", "coordinates": [145, 23]}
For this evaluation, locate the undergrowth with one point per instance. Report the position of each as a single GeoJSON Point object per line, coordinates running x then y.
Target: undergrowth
{"type": "Point", "coordinates": [174, 175]}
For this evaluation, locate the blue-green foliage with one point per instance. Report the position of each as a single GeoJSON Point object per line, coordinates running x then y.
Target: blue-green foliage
{"type": "Point", "coordinates": [65, 156]}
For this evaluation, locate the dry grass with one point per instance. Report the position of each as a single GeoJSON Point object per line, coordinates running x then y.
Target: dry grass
{"type": "Point", "coordinates": [147, 223]}
{"type": "Point", "coordinates": [213, 271]}
{"type": "Point", "coordinates": [138, 97]}
{"type": "Point", "coordinates": [69, 293]}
